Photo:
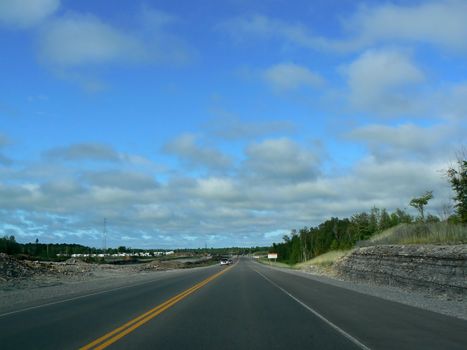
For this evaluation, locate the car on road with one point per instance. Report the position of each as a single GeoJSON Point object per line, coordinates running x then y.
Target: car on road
{"type": "Point", "coordinates": [225, 261]}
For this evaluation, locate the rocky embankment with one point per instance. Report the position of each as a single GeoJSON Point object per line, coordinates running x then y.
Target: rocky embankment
{"type": "Point", "coordinates": [21, 273]}
{"type": "Point", "coordinates": [440, 270]}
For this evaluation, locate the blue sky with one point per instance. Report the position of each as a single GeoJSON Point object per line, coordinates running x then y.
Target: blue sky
{"type": "Point", "coordinates": [187, 123]}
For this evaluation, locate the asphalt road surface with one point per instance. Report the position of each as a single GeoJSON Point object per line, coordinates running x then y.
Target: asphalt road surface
{"type": "Point", "coordinates": [243, 306]}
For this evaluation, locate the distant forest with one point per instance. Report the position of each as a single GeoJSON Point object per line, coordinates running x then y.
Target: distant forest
{"type": "Point", "coordinates": [335, 233]}
{"type": "Point", "coordinates": [9, 245]}
{"type": "Point", "coordinates": [52, 251]}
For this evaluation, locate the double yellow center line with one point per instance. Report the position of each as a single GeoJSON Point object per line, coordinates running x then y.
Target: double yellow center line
{"type": "Point", "coordinates": [118, 333]}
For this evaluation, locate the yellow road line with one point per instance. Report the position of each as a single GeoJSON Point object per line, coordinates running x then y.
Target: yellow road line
{"type": "Point", "coordinates": [120, 332]}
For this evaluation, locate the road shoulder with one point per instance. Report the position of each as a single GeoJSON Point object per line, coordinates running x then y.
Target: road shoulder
{"type": "Point", "coordinates": [449, 307]}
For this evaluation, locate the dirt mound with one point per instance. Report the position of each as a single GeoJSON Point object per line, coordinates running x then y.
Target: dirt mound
{"type": "Point", "coordinates": [12, 268]}
{"type": "Point", "coordinates": [159, 265]}
{"type": "Point", "coordinates": [75, 261]}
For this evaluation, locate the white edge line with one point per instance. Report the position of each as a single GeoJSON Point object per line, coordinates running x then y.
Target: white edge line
{"type": "Point", "coordinates": [70, 299]}
{"type": "Point", "coordinates": [80, 297]}
{"type": "Point", "coordinates": [314, 312]}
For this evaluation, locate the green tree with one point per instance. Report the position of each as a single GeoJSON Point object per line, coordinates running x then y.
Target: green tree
{"type": "Point", "coordinates": [9, 245]}
{"type": "Point", "coordinates": [361, 226]}
{"type": "Point", "coordinates": [373, 220]}
{"type": "Point", "coordinates": [384, 220]}
{"type": "Point", "coordinates": [420, 203]}
{"type": "Point", "coordinates": [458, 179]}
{"type": "Point", "coordinates": [402, 217]}
{"type": "Point", "coordinates": [432, 219]}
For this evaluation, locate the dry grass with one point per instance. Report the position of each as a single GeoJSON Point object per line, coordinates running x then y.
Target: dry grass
{"type": "Point", "coordinates": [274, 263]}
{"type": "Point", "coordinates": [324, 260]}
{"type": "Point", "coordinates": [420, 233]}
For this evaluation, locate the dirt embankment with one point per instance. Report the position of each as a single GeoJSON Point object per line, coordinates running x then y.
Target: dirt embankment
{"type": "Point", "coordinates": [440, 270]}
{"type": "Point", "coordinates": [14, 272]}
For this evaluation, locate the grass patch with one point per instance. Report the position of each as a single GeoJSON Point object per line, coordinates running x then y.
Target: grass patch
{"type": "Point", "coordinates": [324, 260]}
{"type": "Point", "coordinates": [274, 263]}
{"type": "Point", "coordinates": [421, 233]}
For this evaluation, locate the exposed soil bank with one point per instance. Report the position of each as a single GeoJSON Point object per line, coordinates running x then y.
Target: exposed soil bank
{"type": "Point", "coordinates": [440, 270]}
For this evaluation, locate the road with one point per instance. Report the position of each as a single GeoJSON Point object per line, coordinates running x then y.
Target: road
{"type": "Point", "coordinates": [244, 306]}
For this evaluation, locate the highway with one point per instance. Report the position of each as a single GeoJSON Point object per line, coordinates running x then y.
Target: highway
{"type": "Point", "coordinates": [243, 306]}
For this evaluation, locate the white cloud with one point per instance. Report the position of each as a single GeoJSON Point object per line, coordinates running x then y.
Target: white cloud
{"type": "Point", "coordinates": [73, 45]}
{"type": "Point", "coordinates": [280, 185]}
{"type": "Point", "coordinates": [26, 13]}
{"type": "Point", "coordinates": [394, 182]}
{"type": "Point", "coordinates": [231, 210]}
{"type": "Point", "coordinates": [229, 128]}
{"type": "Point", "coordinates": [83, 151]}
{"type": "Point", "coordinates": [290, 76]}
{"type": "Point", "coordinates": [407, 141]}
{"type": "Point", "coordinates": [84, 39]}
{"type": "Point", "coordinates": [134, 181]}
{"type": "Point", "coordinates": [245, 27]}
{"type": "Point", "coordinates": [185, 147]}
{"type": "Point", "coordinates": [382, 81]}
{"type": "Point", "coordinates": [438, 23]}
{"type": "Point", "coordinates": [451, 102]}
{"type": "Point", "coordinates": [280, 160]}
{"type": "Point", "coordinates": [216, 188]}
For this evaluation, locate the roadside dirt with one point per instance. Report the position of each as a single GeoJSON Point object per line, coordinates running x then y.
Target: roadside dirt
{"type": "Point", "coordinates": [26, 283]}
{"type": "Point", "coordinates": [18, 274]}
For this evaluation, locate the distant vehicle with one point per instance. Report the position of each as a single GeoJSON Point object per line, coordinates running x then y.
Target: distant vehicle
{"type": "Point", "coordinates": [225, 261]}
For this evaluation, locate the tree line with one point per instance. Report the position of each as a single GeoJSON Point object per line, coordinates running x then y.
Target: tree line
{"type": "Point", "coordinates": [9, 245]}
{"type": "Point", "coordinates": [335, 233]}
{"type": "Point", "coordinates": [51, 251]}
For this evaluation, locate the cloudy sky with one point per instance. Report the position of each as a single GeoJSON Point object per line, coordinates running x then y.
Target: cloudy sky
{"type": "Point", "coordinates": [225, 123]}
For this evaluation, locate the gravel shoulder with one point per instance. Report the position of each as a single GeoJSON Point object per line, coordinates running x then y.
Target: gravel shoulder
{"type": "Point", "coordinates": [433, 302]}
{"type": "Point", "coordinates": [25, 284]}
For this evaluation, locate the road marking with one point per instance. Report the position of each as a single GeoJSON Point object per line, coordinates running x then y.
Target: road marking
{"type": "Point", "coordinates": [118, 333]}
{"type": "Point", "coordinates": [79, 297]}
{"type": "Point", "coordinates": [317, 314]}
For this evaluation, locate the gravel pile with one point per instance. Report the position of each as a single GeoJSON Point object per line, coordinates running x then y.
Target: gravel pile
{"type": "Point", "coordinates": [21, 271]}
{"type": "Point", "coordinates": [11, 268]}
{"type": "Point", "coordinates": [71, 267]}
{"type": "Point", "coordinates": [160, 265]}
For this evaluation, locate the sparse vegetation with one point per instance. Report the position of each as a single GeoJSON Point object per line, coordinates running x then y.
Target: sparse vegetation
{"type": "Point", "coordinates": [336, 234]}
{"type": "Point", "coordinates": [420, 203]}
{"type": "Point", "coordinates": [324, 260]}
{"type": "Point", "coordinates": [403, 234]}
{"type": "Point", "coordinates": [458, 179]}
{"type": "Point", "coordinates": [422, 233]}
{"type": "Point", "coordinates": [275, 263]}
